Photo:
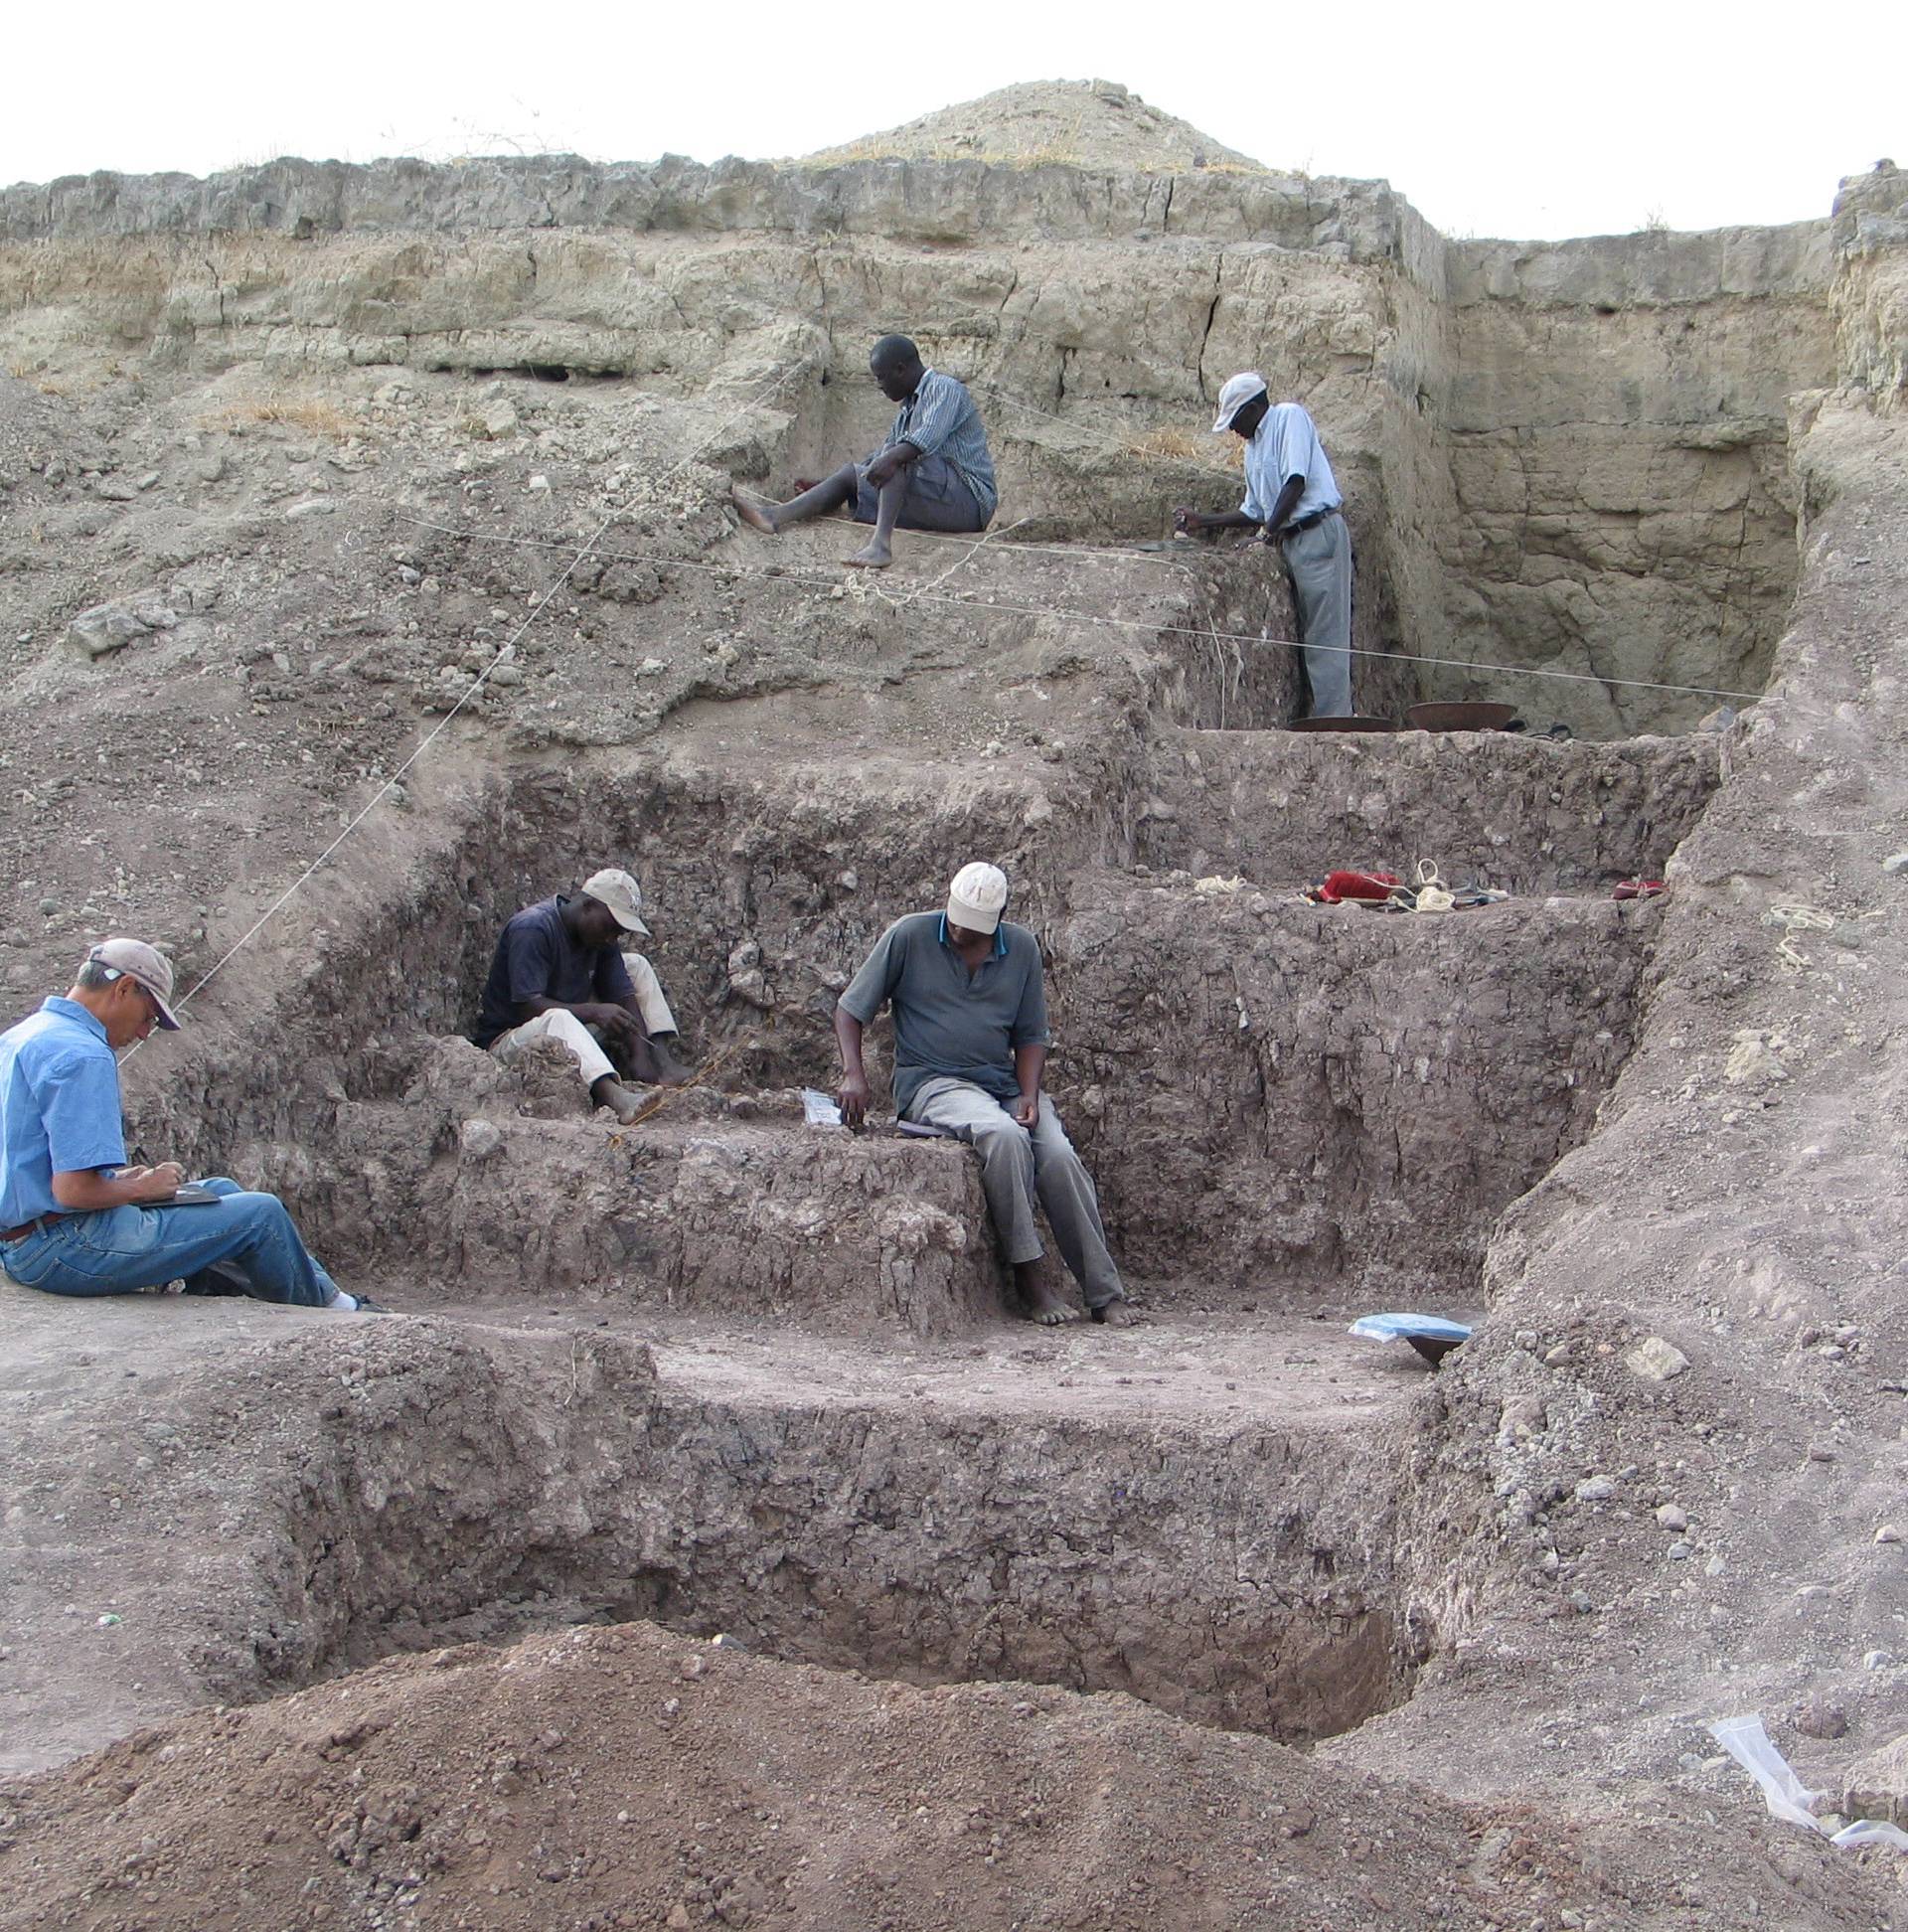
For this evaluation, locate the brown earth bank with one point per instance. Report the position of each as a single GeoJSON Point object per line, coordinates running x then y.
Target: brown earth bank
{"type": "Point", "coordinates": [625, 1778]}
{"type": "Point", "coordinates": [367, 570]}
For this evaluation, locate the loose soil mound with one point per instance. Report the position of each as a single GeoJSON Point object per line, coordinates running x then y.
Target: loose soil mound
{"type": "Point", "coordinates": [1078, 123]}
{"type": "Point", "coordinates": [624, 1778]}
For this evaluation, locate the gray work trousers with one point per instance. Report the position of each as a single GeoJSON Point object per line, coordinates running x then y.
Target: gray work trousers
{"type": "Point", "coordinates": [1014, 1166]}
{"type": "Point", "coordinates": [1317, 563]}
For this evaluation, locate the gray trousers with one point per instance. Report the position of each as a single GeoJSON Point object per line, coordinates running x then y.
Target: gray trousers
{"type": "Point", "coordinates": [1318, 562]}
{"type": "Point", "coordinates": [1014, 1165]}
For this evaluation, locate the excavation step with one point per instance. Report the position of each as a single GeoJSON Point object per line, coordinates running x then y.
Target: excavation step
{"type": "Point", "coordinates": [217, 1500]}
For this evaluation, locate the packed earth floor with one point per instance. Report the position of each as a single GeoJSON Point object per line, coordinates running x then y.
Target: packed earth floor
{"type": "Point", "coordinates": [700, 1544]}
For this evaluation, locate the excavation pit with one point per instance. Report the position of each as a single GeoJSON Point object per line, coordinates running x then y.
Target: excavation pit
{"type": "Point", "coordinates": [235, 1500]}
{"type": "Point", "coordinates": [728, 1373]}
{"type": "Point", "coordinates": [1304, 1108]}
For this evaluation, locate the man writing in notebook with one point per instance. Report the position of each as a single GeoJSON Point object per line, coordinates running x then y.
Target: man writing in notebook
{"type": "Point", "coordinates": [75, 1218]}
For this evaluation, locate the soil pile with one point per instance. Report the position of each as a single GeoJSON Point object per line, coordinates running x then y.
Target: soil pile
{"type": "Point", "coordinates": [1073, 124]}
{"type": "Point", "coordinates": [623, 1778]}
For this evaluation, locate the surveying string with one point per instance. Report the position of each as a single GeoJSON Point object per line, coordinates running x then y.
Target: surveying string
{"type": "Point", "coordinates": [815, 579]}
{"type": "Point", "coordinates": [504, 651]}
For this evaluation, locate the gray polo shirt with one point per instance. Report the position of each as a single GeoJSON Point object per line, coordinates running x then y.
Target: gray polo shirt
{"type": "Point", "coordinates": [947, 1021]}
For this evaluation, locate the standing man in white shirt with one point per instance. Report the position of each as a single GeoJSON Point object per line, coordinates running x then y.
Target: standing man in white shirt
{"type": "Point", "coordinates": [1292, 496]}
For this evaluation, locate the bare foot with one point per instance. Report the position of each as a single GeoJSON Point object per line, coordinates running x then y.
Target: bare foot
{"type": "Point", "coordinates": [612, 1095]}
{"type": "Point", "coordinates": [757, 516]}
{"type": "Point", "coordinates": [1116, 1314]}
{"type": "Point", "coordinates": [1043, 1304]}
{"type": "Point", "coordinates": [872, 556]}
{"type": "Point", "coordinates": [655, 1066]}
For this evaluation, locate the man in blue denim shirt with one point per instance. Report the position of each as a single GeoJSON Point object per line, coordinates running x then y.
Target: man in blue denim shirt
{"type": "Point", "coordinates": [75, 1218]}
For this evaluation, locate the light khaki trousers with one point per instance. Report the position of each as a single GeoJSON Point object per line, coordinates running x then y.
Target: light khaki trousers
{"type": "Point", "coordinates": [591, 1061]}
{"type": "Point", "coordinates": [1014, 1167]}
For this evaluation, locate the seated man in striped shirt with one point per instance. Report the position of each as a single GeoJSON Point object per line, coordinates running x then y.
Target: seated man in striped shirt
{"type": "Point", "coordinates": [933, 472]}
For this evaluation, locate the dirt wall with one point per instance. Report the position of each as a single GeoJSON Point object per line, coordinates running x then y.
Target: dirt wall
{"type": "Point", "coordinates": [1567, 457]}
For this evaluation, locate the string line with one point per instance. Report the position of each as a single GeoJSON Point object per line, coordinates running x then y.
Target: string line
{"type": "Point", "coordinates": [926, 594]}
{"type": "Point", "coordinates": [536, 608]}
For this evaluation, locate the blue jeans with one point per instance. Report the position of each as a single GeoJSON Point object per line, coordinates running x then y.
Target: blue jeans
{"type": "Point", "coordinates": [120, 1250]}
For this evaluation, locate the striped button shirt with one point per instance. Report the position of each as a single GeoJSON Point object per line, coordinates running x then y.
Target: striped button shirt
{"type": "Point", "coordinates": [940, 419]}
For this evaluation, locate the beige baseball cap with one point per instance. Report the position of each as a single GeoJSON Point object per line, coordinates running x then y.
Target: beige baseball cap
{"type": "Point", "coordinates": [976, 898]}
{"type": "Point", "coordinates": [620, 892]}
{"type": "Point", "coordinates": [1237, 392]}
{"type": "Point", "coordinates": [147, 965]}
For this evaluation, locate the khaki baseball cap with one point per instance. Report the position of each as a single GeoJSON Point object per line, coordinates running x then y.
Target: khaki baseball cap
{"type": "Point", "coordinates": [620, 892]}
{"type": "Point", "coordinates": [147, 965]}
{"type": "Point", "coordinates": [976, 898]}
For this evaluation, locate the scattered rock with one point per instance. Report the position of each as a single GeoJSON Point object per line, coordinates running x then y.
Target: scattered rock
{"type": "Point", "coordinates": [1670, 1517]}
{"type": "Point", "coordinates": [495, 421]}
{"type": "Point", "coordinates": [103, 629]}
{"type": "Point", "coordinates": [1877, 1785]}
{"type": "Point", "coordinates": [1595, 1489]}
{"type": "Point", "coordinates": [1656, 1360]}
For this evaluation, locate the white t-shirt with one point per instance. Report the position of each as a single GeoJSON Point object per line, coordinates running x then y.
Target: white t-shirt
{"type": "Point", "coordinates": [1285, 445]}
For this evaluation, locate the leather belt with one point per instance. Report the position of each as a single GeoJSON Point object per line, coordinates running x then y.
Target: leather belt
{"type": "Point", "coordinates": [1306, 523]}
{"type": "Point", "coordinates": [38, 1226]}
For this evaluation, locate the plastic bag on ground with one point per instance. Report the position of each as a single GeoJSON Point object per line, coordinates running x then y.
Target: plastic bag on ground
{"type": "Point", "coordinates": [818, 1109]}
{"type": "Point", "coordinates": [1787, 1797]}
{"type": "Point", "coordinates": [1402, 1327]}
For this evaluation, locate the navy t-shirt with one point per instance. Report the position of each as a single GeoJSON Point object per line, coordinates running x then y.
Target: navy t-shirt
{"type": "Point", "coordinates": [537, 958]}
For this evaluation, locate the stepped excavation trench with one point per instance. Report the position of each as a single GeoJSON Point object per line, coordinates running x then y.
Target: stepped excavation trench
{"type": "Point", "coordinates": [730, 1373]}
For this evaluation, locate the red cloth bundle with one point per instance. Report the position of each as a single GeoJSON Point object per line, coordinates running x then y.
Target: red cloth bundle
{"type": "Point", "coordinates": [1339, 886]}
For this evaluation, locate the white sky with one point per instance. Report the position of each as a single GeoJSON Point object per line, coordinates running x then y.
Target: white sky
{"type": "Point", "coordinates": [1526, 120]}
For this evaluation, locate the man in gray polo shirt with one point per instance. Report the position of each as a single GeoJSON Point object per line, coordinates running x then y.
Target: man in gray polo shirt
{"type": "Point", "coordinates": [970, 1046]}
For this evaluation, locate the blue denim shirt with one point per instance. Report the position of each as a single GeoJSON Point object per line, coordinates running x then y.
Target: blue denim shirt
{"type": "Point", "coordinates": [59, 1106]}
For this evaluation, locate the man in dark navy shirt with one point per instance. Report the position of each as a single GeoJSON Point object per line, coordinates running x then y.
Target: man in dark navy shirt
{"type": "Point", "coordinates": [559, 973]}
{"type": "Point", "coordinates": [970, 1046]}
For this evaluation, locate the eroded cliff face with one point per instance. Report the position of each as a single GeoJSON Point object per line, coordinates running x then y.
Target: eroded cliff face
{"type": "Point", "coordinates": [1571, 456]}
